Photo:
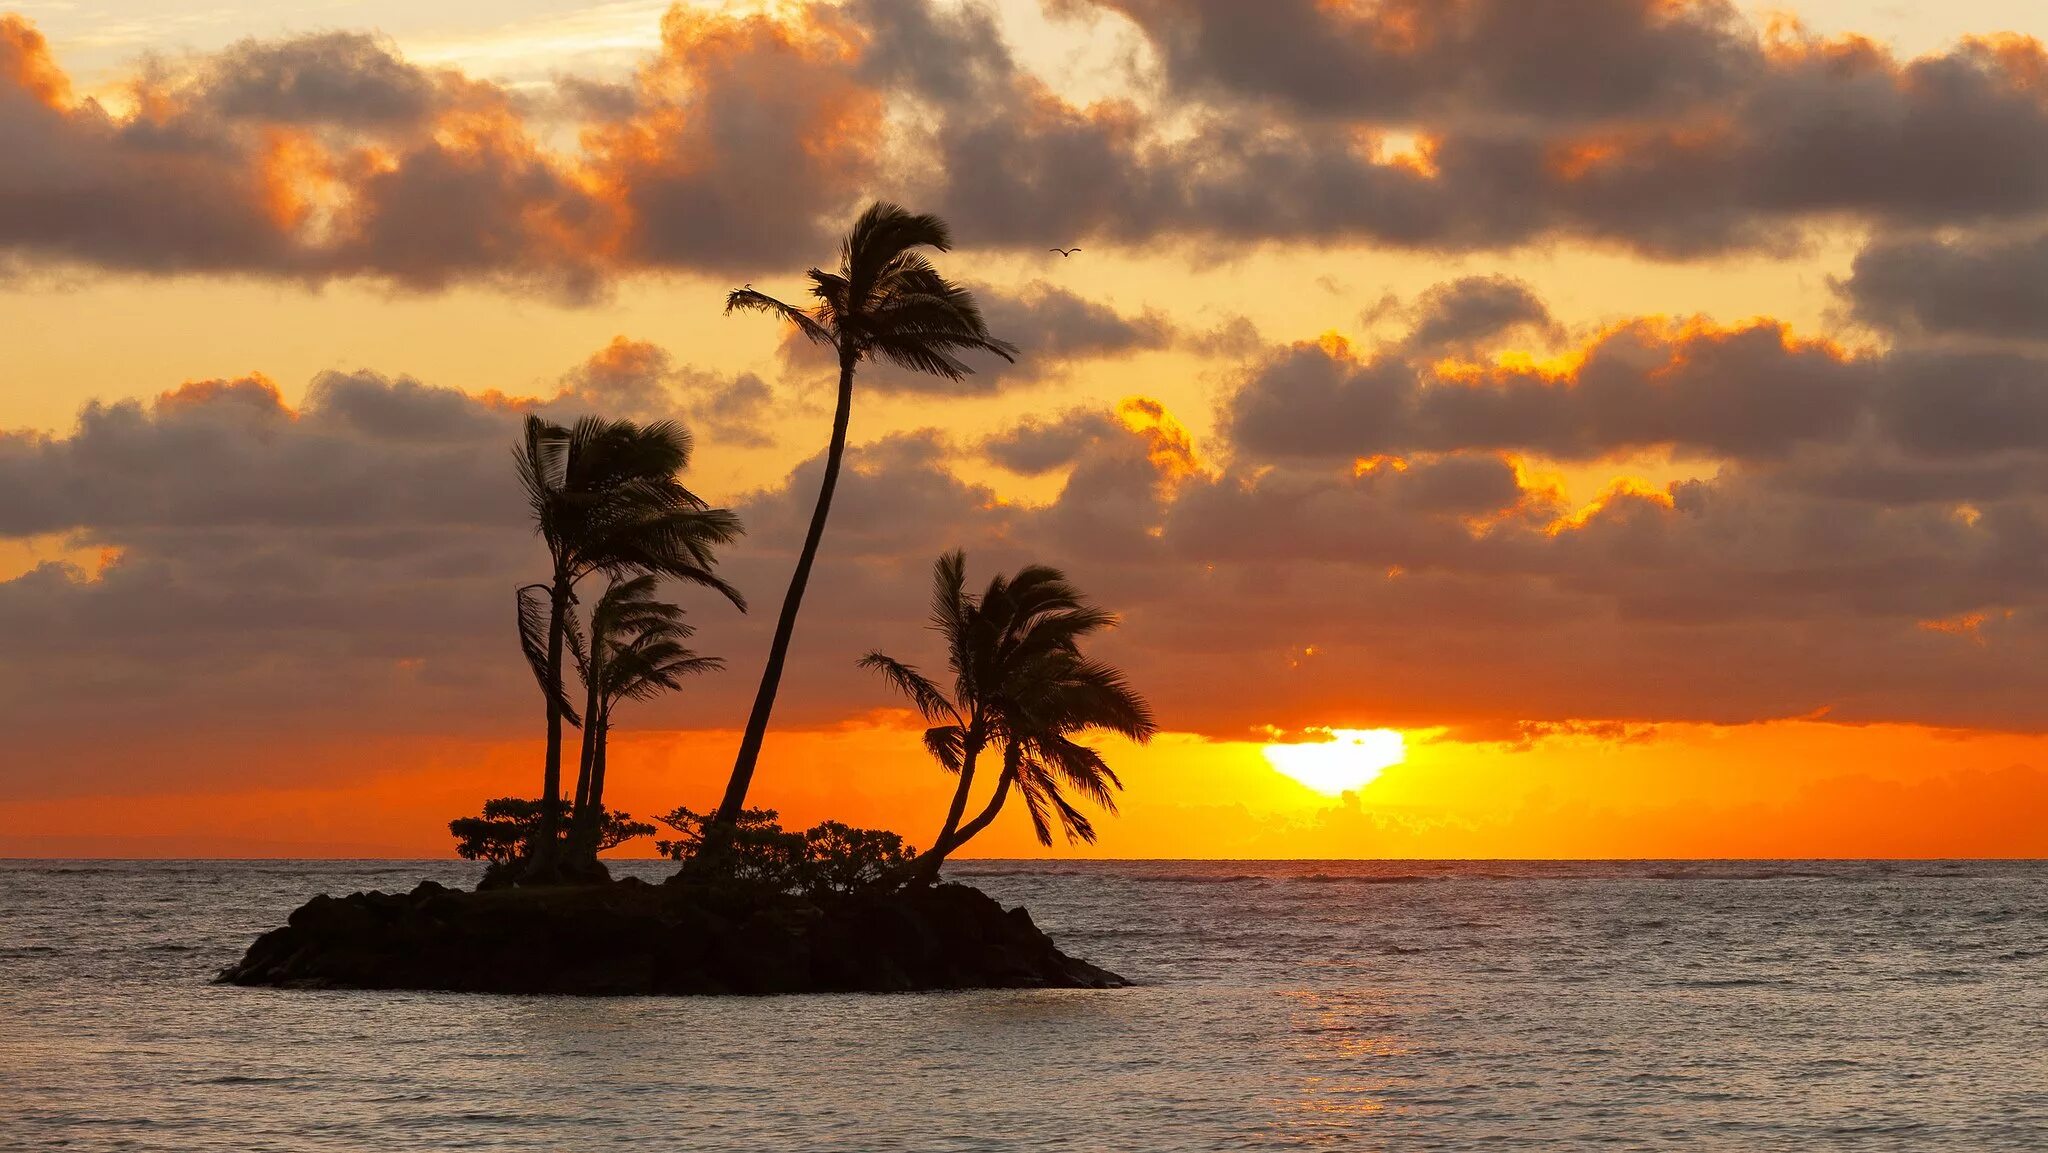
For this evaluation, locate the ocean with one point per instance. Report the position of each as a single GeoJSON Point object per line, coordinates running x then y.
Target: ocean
{"type": "Point", "coordinates": [1345, 1005]}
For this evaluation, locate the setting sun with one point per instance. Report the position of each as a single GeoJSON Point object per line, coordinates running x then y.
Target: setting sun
{"type": "Point", "coordinates": [1349, 760]}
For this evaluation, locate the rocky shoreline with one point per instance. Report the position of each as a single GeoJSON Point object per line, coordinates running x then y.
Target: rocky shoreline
{"type": "Point", "coordinates": [628, 937]}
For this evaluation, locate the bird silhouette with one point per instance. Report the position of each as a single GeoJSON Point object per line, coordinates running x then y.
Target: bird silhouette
{"type": "Point", "coordinates": [1064, 251]}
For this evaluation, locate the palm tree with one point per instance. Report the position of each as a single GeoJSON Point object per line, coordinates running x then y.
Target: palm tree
{"type": "Point", "coordinates": [886, 300]}
{"type": "Point", "coordinates": [636, 651]}
{"type": "Point", "coordinates": [604, 498]}
{"type": "Point", "coordinates": [1018, 680]}
{"type": "Point", "coordinates": [1071, 695]}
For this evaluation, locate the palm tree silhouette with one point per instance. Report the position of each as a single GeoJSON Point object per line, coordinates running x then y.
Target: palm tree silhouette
{"type": "Point", "coordinates": [604, 498]}
{"type": "Point", "coordinates": [636, 650]}
{"type": "Point", "coordinates": [886, 300]}
{"type": "Point", "coordinates": [1019, 680]}
{"type": "Point", "coordinates": [1070, 695]}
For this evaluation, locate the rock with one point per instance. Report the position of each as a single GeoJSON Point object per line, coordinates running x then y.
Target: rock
{"type": "Point", "coordinates": [629, 937]}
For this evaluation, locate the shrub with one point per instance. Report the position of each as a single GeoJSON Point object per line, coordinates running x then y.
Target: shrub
{"type": "Point", "coordinates": [508, 825]}
{"type": "Point", "coordinates": [827, 858]}
{"type": "Point", "coordinates": [841, 858]}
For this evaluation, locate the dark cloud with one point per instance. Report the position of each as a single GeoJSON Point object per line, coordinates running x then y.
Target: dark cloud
{"type": "Point", "coordinates": [1037, 446]}
{"type": "Point", "coordinates": [1466, 313]}
{"type": "Point", "coordinates": [744, 141]}
{"type": "Point", "coordinates": [1742, 393]}
{"type": "Point", "coordinates": [342, 78]}
{"type": "Point", "coordinates": [345, 564]}
{"type": "Point", "coordinates": [260, 561]}
{"type": "Point", "coordinates": [1410, 60]}
{"type": "Point", "coordinates": [1814, 130]}
{"type": "Point", "coordinates": [1987, 286]}
{"type": "Point", "coordinates": [742, 145]}
{"type": "Point", "coordinates": [640, 381]}
{"type": "Point", "coordinates": [750, 142]}
{"type": "Point", "coordinates": [344, 567]}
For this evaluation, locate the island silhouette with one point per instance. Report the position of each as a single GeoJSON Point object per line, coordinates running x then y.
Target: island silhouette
{"type": "Point", "coordinates": [753, 907]}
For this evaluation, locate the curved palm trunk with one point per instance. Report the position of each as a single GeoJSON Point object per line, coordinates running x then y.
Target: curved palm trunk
{"type": "Point", "coordinates": [592, 829]}
{"type": "Point", "coordinates": [546, 850]}
{"type": "Point", "coordinates": [785, 625]}
{"type": "Point", "coordinates": [924, 868]}
{"type": "Point", "coordinates": [958, 808]}
{"type": "Point", "coordinates": [584, 758]}
{"type": "Point", "coordinates": [584, 820]}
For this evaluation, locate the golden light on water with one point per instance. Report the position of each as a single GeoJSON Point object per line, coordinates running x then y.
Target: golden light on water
{"type": "Point", "coordinates": [1350, 759]}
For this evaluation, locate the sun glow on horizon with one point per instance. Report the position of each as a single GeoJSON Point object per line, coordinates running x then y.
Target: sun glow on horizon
{"type": "Point", "coordinates": [1349, 760]}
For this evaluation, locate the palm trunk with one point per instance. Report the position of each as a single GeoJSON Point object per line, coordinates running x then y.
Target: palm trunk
{"type": "Point", "coordinates": [545, 850]}
{"type": "Point", "coordinates": [584, 758]}
{"type": "Point", "coordinates": [785, 625]}
{"type": "Point", "coordinates": [582, 824]}
{"type": "Point", "coordinates": [995, 805]}
{"type": "Point", "coordinates": [924, 868]}
{"type": "Point", "coordinates": [959, 807]}
{"type": "Point", "coordinates": [593, 833]}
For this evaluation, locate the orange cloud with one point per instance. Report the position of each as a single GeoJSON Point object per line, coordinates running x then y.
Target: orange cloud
{"type": "Point", "coordinates": [1168, 444]}
{"type": "Point", "coordinates": [25, 62]}
{"type": "Point", "coordinates": [256, 391]}
{"type": "Point", "coordinates": [695, 138]}
{"type": "Point", "coordinates": [1620, 490]}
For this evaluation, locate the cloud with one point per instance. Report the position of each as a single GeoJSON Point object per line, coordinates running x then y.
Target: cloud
{"type": "Point", "coordinates": [343, 567]}
{"type": "Point", "coordinates": [1783, 134]}
{"type": "Point", "coordinates": [1748, 392]}
{"type": "Point", "coordinates": [337, 78]}
{"type": "Point", "coordinates": [1489, 60]}
{"type": "Point", "coordinates": [1039, 445]}
{"type": "Point", "coordinates": [749, 142]}
{"type": "Point", "coordinates": [636, 380]}
{"type": "Point", "coordinates": [745, 141]}
{"type": "Point", "coordinates": [1978, 286]}
{"type": "Point", "coordinates": [741, 143]}
{"type": "Point", "coordinates": [1469, 312]}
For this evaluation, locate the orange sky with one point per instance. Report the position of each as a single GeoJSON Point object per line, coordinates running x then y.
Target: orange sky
{"type": "Point", "coordinates": [1675, 486]}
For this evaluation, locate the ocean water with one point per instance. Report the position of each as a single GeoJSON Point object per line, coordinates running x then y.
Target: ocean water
{"type": "Point", "coordinates": [1342, 1005]}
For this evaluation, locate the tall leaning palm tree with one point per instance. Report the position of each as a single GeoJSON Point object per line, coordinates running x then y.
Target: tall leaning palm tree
{"type": "Point", "coordinates": [885, 301]}
{"type": "Point", "coordinates": [1021, 682]}
{"type": "Point", "coordinates": [637, 649]}
{"type": "Point", "coordinates": [604, 498]}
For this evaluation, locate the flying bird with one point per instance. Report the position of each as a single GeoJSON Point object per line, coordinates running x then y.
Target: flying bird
{"type": "Point", "coordinates": [1064, 251]}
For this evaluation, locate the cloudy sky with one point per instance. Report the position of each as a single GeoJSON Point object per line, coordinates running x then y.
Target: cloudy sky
{"type": "Point", "coordinates": [1639, 405]}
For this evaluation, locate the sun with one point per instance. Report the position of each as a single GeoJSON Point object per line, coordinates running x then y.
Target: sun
{"type": "Point", "coordinates": [1350, 759]}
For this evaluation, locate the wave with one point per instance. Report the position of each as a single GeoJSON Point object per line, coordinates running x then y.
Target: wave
{"type": "Point", "coordinates": [1365, 879]}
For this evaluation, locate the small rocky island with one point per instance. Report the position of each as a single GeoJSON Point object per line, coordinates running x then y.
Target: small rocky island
{"type": "Point", "coordinates": [629, 937]}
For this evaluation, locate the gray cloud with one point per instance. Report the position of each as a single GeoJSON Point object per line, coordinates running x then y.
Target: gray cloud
{"type": "Point", "coordinates": [1812, 131]}
{"type": "Point", "coordinates": [1743, 393]}
{"type": "Point", "coordinates": [745, 142]}
{"type": "Point", "coordinates": [344, 568]}
{"type": "Point", "coordinates": [1983, 286]}
{"type": "Point", "coordinates": [1037, 446]}
{"type": "Point", "coordinates": [340, 78]}
{"type": "Point", "coordinates": [1410, 60]}
{"type": "Point", "coordinates": [641, 381]}
{"type": "Point", "coordinates": [1473, 310]}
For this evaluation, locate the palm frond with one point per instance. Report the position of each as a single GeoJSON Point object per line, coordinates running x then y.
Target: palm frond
{"type": "Point", "coordinates": [929, 699]}
{"type": "Point", "coordinates": [948, 745]}
{"type": "Point", "coordinates": [748, 300]}
{"type": "Point", "coordinates": [534, 612]}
